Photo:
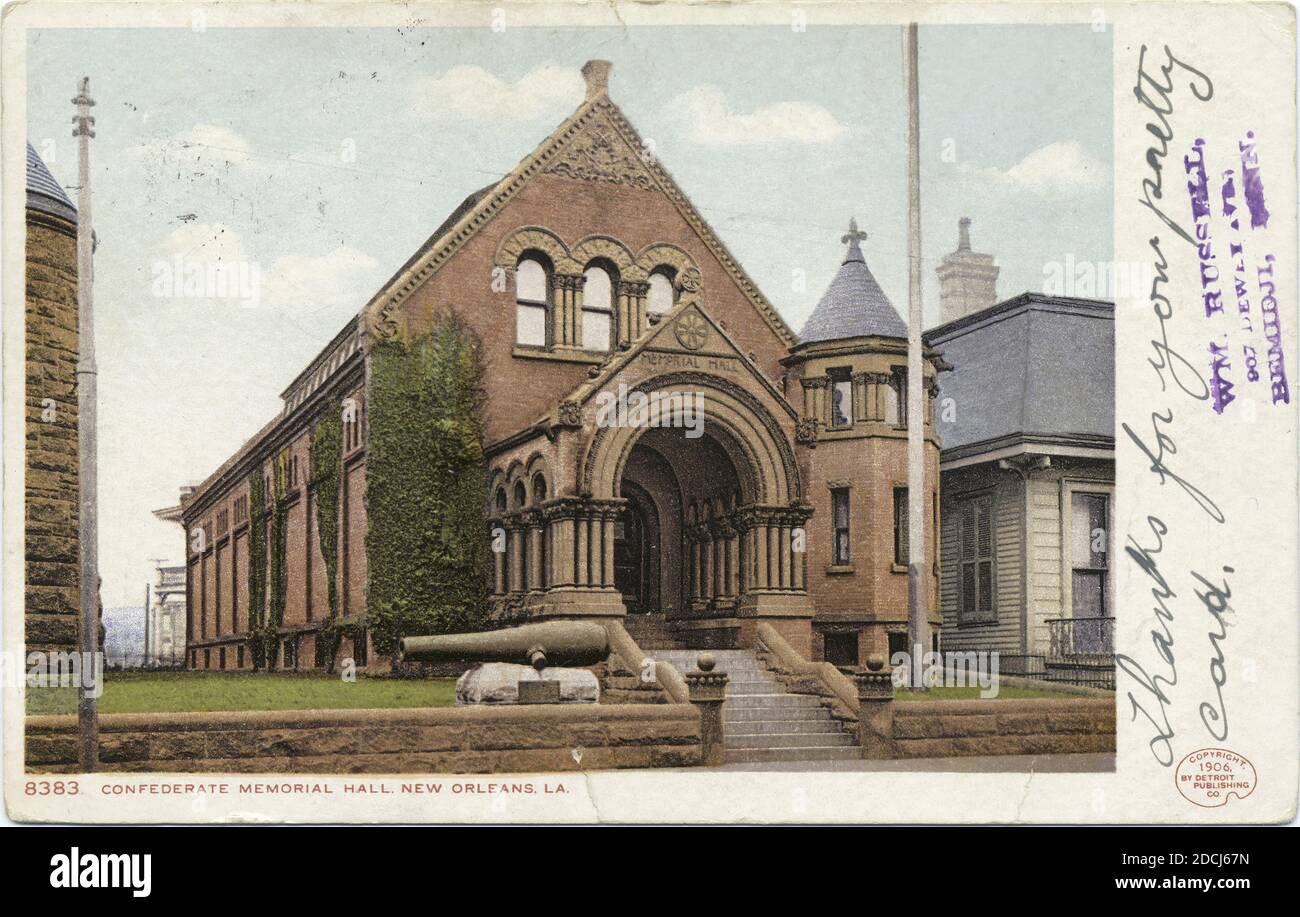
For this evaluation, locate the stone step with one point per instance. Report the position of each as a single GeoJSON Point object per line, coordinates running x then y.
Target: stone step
{"type": "Point", "coordinates": [767, 701]}
{"type": "Point", "coordinates": [738, 715]}
{"type": "Point", "coordinates": [819, 726]}
{"type": "Point", "coordinates": [788, 740]}
{"type": "Point", "coordinates": [765, 755]}
{"type": "Point", "coordinates": [755, 687]}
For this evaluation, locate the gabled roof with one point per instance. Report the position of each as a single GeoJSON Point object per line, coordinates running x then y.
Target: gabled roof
{"type": "Point", "coordinates": [482, 206]}
{"type": "Point", "coordinates": [1034, 369]}
{"type": "Point", "coordinates": [854, 305]}
{"type": "Point", "coordinates": [43, 192]}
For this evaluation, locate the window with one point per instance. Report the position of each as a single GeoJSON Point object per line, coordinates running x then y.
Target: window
{"type": "Point", "coordinates": [290, 654]}
{"type": "Point", "coordinates": [597, 309]}
{"type": "Point", "coordinates": [500, 501]}
{"type": "Point", "coordinates": [239, 657]}
{"type": "Point", "coordinates": [360, 654]}
{"type": "Point", "coordinates": [221, 658]}
{"type": "Point", "coordinates": [531, 289]}
{"type": "Point", "coordinates": [897, 644]}
{"type": "Point", "coordinates": [840, 520]}
{"type": "Point", "coordinates": [900, 526]}
{"type": "Point", "coordinates": [660, 297]}
{"type": "Point", "coordinates": [539, 490]}
{"type": "Point", "coordinates": [841, 649]}
{"type": "Point", "coordinates": [1089, 536]}
{"type": "Point", "coordinates": [976, 550]}
{"type": "Point", "coordinates": [841, 386]}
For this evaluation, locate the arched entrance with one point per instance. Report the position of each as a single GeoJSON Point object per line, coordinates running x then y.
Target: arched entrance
{"type": "Point", "coordinates": [679, 492]}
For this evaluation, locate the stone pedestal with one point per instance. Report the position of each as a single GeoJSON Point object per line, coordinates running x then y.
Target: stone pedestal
{"type": "Point", "coordinates": [498, 683]}
{"type": "Point", "coordinates": [708, 691]}
{"type": "Point", "coordinates": [876, 710]}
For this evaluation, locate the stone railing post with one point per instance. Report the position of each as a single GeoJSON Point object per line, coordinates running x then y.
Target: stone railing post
{"type": "Point", "coordinates": [708, 690]}
{"type": "Point", "coordinates": [876, 710]}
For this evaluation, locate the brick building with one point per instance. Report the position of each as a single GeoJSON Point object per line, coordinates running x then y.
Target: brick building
{"type": "Point", "coordinates": [662, 447]}
{"type": "Point", "coordinates": [52, 588]}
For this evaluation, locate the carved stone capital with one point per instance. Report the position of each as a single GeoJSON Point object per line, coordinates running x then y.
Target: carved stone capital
{"type": "Point", "coordinates": [805, 432]}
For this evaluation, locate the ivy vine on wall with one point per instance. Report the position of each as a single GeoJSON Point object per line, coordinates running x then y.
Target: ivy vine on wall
{"type": "Point", "coordinates": [426, 482]}
{"type": "Point", "coordinates": [326, 478]}
{"type": "Point", "coordinates": [256, 565]}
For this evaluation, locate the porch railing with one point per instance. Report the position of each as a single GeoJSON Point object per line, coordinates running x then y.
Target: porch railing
{"type": "Point", "coordinates": [1081, 651]}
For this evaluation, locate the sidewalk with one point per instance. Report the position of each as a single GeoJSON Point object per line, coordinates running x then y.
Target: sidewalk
{"type": "Point", "coordinates": [1007, 764]}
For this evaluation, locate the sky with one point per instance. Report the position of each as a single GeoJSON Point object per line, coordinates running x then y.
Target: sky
{"type": "Point", "coordinates": [322, 158]}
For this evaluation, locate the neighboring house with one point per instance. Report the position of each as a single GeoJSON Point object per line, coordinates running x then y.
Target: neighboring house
{"type": "Point", "coordinates": [1026, 418]}
{"type": "Point", "coordinates": [166, 630]}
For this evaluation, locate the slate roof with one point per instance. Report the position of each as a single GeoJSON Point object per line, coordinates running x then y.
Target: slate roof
{"type": "Point", "coordinates": [853, 305]}
{"type": "Point", "coordinates": [43, 192]}
{"type": "Point", "coordinates": [1033, 369]}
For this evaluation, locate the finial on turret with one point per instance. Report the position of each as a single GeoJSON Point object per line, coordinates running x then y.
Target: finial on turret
{"type": "Point", "coordinates": [853, 235]}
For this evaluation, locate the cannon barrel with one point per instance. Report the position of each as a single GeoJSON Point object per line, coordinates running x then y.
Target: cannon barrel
{"type": "Point", "coordinates": [553, 643]}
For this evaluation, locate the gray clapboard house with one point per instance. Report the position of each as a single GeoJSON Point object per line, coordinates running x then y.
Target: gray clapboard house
{"type": "Point", "coordinates": [1027, 474]}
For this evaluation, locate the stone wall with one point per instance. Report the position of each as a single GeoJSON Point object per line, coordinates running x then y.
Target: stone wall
{"type": "Point", "coordinates": [1033, 726]}
{"type": "Point", "coordinates": [52, 594]}
{"type": "Point", "coordinates": [506, 739]}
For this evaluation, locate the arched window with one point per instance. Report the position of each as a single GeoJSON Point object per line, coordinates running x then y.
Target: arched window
{"type": "Point", "coordinates": [500, 501]}
{"type": "Point", "coordinates": [532, 300]}
{"type": "Point", "coordinates": [660, 298]}
{"type": "Point", "coordinates": [521, 495]}
{"type": "Point", "coordinates": [597, 309]}
{"type": "Point", "coordinates": [539, 490]}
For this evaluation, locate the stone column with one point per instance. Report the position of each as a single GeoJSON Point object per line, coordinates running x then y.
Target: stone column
{"type": "Point", "coordinates": [733, 561]}
{"type": "Point", "coordinates": [583, 523]}
{"type": "Point", "coordinates": [560, 556]}
{"type": "Point", "coordinates": [758, 534]}
{"type": "Point", "coordinates": [876, 710]}
{"type": "Point", "coordinates": [607, 541]}
{"type": "Point", "coordinates": [861, 408]}
{"type": "Point", "coordinates": [787, 578]}
{"type": "Point", "coordinates": [798, 559]}
{"type": "Point", "coordinates": [515, 557]}
{"type": "Point", "coordinates": [817, 395]}
{"type": "Point", "coordinates": [498, 559]}
{"type": "Point", "coordinates": [533, 522]}
{"type": "Point", "coordinates": [693, 542]}
{"type": "Point", "coordinates": [708, 691]}
{"type": "Point", "coordinates": [876, 396]}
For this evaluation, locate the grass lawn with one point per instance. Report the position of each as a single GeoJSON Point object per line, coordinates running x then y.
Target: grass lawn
{"type": "Point", "coordinates": [154, 692]}
{"type": "Point", "coordinates": [972, 692]}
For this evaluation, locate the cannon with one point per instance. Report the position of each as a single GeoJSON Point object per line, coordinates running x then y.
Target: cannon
{"type": "Point", "coordinates": [521, 665]}
{"type": "Point", "coordinates": [553, 643]}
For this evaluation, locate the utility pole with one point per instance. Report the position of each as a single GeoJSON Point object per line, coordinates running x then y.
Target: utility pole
{"type": "Point", "coordinates": [917, 594]}
{"type": "Point", "coordinates": [88, 536]}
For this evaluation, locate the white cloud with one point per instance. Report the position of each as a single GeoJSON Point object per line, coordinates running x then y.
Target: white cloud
{"type": "Point", "coordinates": [1060, 169]}
{"type": "Point", "coordinates": [708, 119]}
{"type": "Point", "coordinates": [467, 92]}
{"type": "Point", "coordinates": [340, 279]}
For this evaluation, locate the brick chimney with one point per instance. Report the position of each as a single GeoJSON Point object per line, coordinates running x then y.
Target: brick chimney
{"type": "Point", "coordinates": [968, 280]}
{"type": "Point", "coordinates": [596, 73]}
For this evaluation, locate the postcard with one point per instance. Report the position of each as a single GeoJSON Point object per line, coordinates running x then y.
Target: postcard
{"type": "Point", "coordinates": [557, 412]}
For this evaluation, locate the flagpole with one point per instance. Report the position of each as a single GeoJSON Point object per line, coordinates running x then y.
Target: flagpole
{"type": "Point", "coordinates": [88, 536]}
{"type": "Point", "coordinates": [917, 593]}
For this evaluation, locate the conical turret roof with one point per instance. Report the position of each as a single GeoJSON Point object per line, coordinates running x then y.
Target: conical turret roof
{"type": "Point", "coordinates": [43, 192]}
{"type": "Point", "coordinates": [854, 305]}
